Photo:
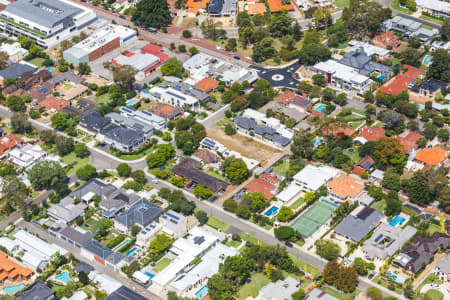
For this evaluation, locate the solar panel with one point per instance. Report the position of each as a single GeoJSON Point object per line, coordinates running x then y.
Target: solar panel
{"type": "Point", "coordinates": [173, 216]}
{"type": "Point", "coordinates": [378, 238]}
{"type": "Point", "coordinates": [390, 243]}
{"type": "Point", "coordinates": [174, 222]}
{"type": "Point", "coordinates": [366, 165]}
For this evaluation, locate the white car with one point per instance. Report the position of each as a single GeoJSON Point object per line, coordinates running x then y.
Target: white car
{"type": "Point", "coordinates": [155, 181]}
{"type": "Point", "coordinates": [219, 48]}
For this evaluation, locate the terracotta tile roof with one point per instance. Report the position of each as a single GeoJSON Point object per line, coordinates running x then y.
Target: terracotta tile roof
{"type": "Point", "coordinates": [276, 6]}
{"type": "Point", "coordinates": [364, 165]}
{"type": "Point", "coordinates": [345, 186]}
{"type": "Point", "coordinates": [432, 156]}
{"type": "Point", "coordinates": [207, 85]}
{"type": "Point", "coordinates": [266, 184]}
{"type": "Point", "coordinates": [287, 97]}
{"type": "Point", "coordinates": [256, 8]}
{"type": "Point", "coordinates": [400, 82]}
{"type": "Point", "coordinates": [409, 142]}
{"type": "Point", "coordinates": [10, 269]}
{"type": "Point", "coordinates": [167, 111]}
{"type": "Point", "coordinates": [8, 142]}
{"type": "Point", "coordinates": [371, 133]}
{"type": "Point", "coordinates": [206, 156]}
{"type": "Point", "coordinates": [197, 4]}
{"type": "Point", "coordinates": [53, 103]}
{"type": "Point", "coordinates": [339, 132]}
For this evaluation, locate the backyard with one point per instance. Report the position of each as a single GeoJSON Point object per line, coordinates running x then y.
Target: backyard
{"type": "Point", "coordinates": [282, 168]}
{"type": "Point", "coordinates": [297, 203]}
{"type": "Point", "coordinates": [162, 264]}
{"type": "Point", "coordinates": [37, 61]}
{"type": "Point", "coordinates": [342, 3]}
{"type": "Point", "coordinates": [251, 289]}
{"type": "Point", "coordinates": [217, 175]}
{"type": "Point", "coordinates": [340, 295]}
{"type": "Point", "coordinates": [352, 153]}
{"type": "Point", "coordinates": [379, 205]}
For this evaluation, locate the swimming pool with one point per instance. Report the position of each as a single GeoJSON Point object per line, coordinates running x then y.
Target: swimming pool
{"type": "Point", "coordinates": [397, 220]}
{"type": "Point", "coordinates": [150, 275]}
{"type": "Point", "coordinates": [271, 212]}
{"type": "Point", "coordinates": [427, 60]}
{"type": "Point", "coordinates": [12, 289]}
{"type": "Point", "coordinates": [396, 277]}
{"type": "Point", "coordinates": [50, 69]}
{"type": "Point", "coordinates": [381, 77]}
{"type": "Point", "coordinates": [121, 245]}
{"type": "Point", "coordinates": [63, 277]}
{"type": "Point", "coordinates": [317, 141]}
{"type": "Point", "coordinates": [131, 251]}
{"type": "Point", "coordinates": [320, 108]}
{"type": "Point", "coordinates": [421, 107]}
{"type": "Point", "coordinates": [131, 102]}
{"type": "Point", "coordinates": [201, 293]}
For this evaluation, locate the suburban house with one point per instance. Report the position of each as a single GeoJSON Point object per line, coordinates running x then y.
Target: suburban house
{"type": "Point", "coordinates": [409, 27]}
{"type": "Point", "coordinates": [280, 289]}
{"type": "Point", "coordinates": [12, 271]}
{"type": "Point", "coordinates": [18, 70]}
{"type": "Point", "coordinates": [386, 240]}
{"type": "Point", "coordinates": [442, 269]}
{"type": "Point", "coordinates": [8, 142]}
{"type": "Point", "coordinates": [418, 254]}
{"type": "Point", "coordinates": [376, 177]}
{"type": "Point", "coordinates": [360, 60]}
{"type": "Point", "coordinates": [434, 7]}
{"type": "Point", "coordinates": [364, 165]}
{"type": "Point", "coordinates": [344, 188]}
{"type": "Point", "coordinates": [408, 77]}
{"type": "Point", "coordinates": [206, 156]}
{"type": "Point", "coordinates": [356, 227]}
{"type": "Point", "coordinates": [125, 293]}
{"type": "Point", "coordinates": [173, 224]}
{"type": "Point", "coordinates": [409, 141]}
{"type": "Point", "coordinates": [432, 157]}
{"type": "Point", "coordinates": [141, 213]}
{"type": "Point", "coordinates": [369, 134]}
{"type": "Point", "coordinates": [311, 177]}
{"type": "Point", "coordinates": [144, 117]}
{"type": "Point", "coordinates": [428, 88]}
{"type": "Point", "coordinates": [266, 183]}
{"type": "Point", "coordinates": [66, 210]}
{"type": "Point", "coordinates": [15, 51]}
{"type": "Point", "coordinates": [173, 97]}
{"type": "Point", "coordinates": [166, 111]}
{"type": "Point", "coordinates": [75, 237]}
{"type": "Point", "coordinates": [38, 290]}
{"type": "Point", "coordinates": [26, 156]}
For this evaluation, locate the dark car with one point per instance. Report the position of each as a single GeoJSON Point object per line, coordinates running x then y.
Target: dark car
{"type": "Point", "coordinates": [288, 244]}
{"type": "Point", "coordinates": [122, 17]}
{"type": "Point", "coordinates": [237, 57]}
{"type": "Point", "coordinates": [318, 278]}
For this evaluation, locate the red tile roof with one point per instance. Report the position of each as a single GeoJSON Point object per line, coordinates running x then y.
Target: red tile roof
{"type": "Point", "coordinates": [8, 142]}
{"type": "Point", "coordinates": [196, 3]}
{"type": "Point", "coordinates": [206, 156]}
{"type": "Point", "coordinates": [371, 133]}
{"type": "Point", "coordinates": [339, 132]}
{"type": "Point", "coordinates": [345, 186]}
{"type": "Point", "coordinates": [53, 103]}
{"type": "Point", "coordinates": [432, 156]}
{"type": "Point", "coordinates": [276, 6]}
{"type": "Point", "coordinates": [400, 82]}
{"type": "Point", "coordinates": [256, 8]}
{"type": "Point", "coordinates": [167, 111]}
{"type": "Point", "coordinates": [409, 142]}
{"type": "Point", "coordinates": [207, 85]}
{"type": "Point", "coordinates": [266, 184]}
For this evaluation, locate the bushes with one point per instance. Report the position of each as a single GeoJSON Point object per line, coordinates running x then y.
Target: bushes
{"type": "Point", "coordinates": [328, 249]}
{"type": "Point", "coordinates": [230, 205]}
{"type": "Point", "coordinates": [115, 241]}
{"type": "Point", "coordinates": [284, 232]}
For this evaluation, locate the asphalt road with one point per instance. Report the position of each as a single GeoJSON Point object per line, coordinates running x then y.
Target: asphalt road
{"type": "Point", "coordinates": [280, 77]}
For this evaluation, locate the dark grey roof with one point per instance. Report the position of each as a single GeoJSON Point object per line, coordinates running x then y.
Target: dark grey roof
{"type": "Point", "coordinates": [123, 136]}
{"type": "Point", "coordinates": [16, 70]}
{"type": "Point", "coordinates": [48, 13]}
{"type": "Point", "coordinates": [431, 85]}
{"type": "Point", "coordinates": [215, 6]}
{"type": "Point", "coordinates": [76, 236]}
{"type": "Point", "coordinates": [95, 186]}
{"type": "Point", "coordinates": [83, 267]}
{"type": "Point", "coordinates": [37, 291]}
{"type": "Point", "coordinates": [130, 122]}
{"type": "Point", "coordinates": [357, 227]}
{"type": "Point", "coordinates": [94, 121]}
{"type": "Point", "coordinates": [264, 130]}
{"type": "Point", "coordinates": [98, 249]}
{"type": "Point", "coordinates": [115, 258]}
{"type": "Point", "coordinates": [187, 169]}
{"type": "Point", "coordinates": [358, 59]}
{"type": "Point", "coordinates": [142, 212]}
{"type": "Point", "coordinates": [272, 135]}
{"type": "Point", "coordinates": [124, 293]}
{"type": "Point", "coordinates": [245, 123]}
{"type": "Point", "coordinates": [67, 76]}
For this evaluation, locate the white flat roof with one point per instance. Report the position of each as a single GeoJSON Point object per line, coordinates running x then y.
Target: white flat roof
{"type": "Point", "coordinates": [103, 36]}
{"type": "Point", "coordinates": [139, 61]}
{"type": "Point", "coordinates": [315, 176]}
{"type": "Point", "coordinates": [289, 192]}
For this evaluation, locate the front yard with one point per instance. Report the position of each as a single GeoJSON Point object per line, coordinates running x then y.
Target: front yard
{"type": "Point", "coordinates": [74, 162]}
{"type": "Point", "coordinates": [217, 224]}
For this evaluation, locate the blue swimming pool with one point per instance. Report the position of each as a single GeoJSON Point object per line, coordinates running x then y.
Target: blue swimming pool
{"type": "Point", "coordinates": [381, 77]}
{"type": "Point", "coordinates": [397, 220]}
{"type": "Point", "coordinates": [131, 102]}
{"type": "Point", "coordinates": [421, 107]}
{"type": "Point", "coordinates": [396, 277]}
{"type": "Point", "coordinates": [150, 275]}
{"type": "Point", "coordinates": [317, 141]}
{"type": "Point", "coordinates": [427, 60]}
{"type": "Point", "coordinates": [201, 293]}
{"type": "Point", "coordinates": [131, 252]}
{"type": "Point", "coordinates": [271, 211]}
{"type": "Point", "coordinates": [320, 108]}
{"type": "Point", "coordinates": [50, 69]}
{"type": "Point", "coordinates": [12, 289]}
{"type": "Point", "coordinates": [63, 277]}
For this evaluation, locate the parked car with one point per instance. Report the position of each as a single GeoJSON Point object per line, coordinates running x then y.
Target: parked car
{"type": "Point", "coordinates": [288, 244]}
{"type": "Point", "coordinates": [122, 17]}
{"type": "Point", "coordinates": [237, 57]}
{"type": "Point", "coordinates": [152, 29]}
{"type": "Point", "coordinates": [155, 181]}
{"type": "Point", "coordinates": [318, 278]}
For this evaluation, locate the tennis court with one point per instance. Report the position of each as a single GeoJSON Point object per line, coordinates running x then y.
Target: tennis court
{"type": "Point", "coordinates": [317, 215]}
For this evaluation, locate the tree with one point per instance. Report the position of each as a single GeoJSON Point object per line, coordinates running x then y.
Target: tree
{"type": "Point", "coordinates": [409, 292]}
{"type": "Point", "coordinates": [374, 293]}
{"type": "Point", "coordinates": [124, 170]}
{"type": "Point", "coordinates": [87, 172]}
{"type": "Point", "coordinates": [46, 174]}
{"type": "Point", "coordinates": [417, 188]}
{"type": "Point", "coordinates": [14, 193]}
{"type": "Point", "coordinates": [284, 232]}
{"type": "Point", "coordinates": [330, 272]}
{"type": "Point", "coordinates": [264, 50]}
{"type": "Point", "coordinates": [135, 229]}
{"type": "Point", "coordinates": [444, 31]}
{"type": "Point", "coordinates": [229, 129]}
{"type": "Point", "coordinates": [393, 204]}
{"type": "Point", "coordinates": [363, 17]}
{"type": "Point", "coordinates": [152, 13]}
{"type": "Point", "coordinates": [443, 134]}
{"type": "Point", "coordinates": [389, 152]}
{"type": "Point", "coordinates": [193, 51]}
{"type": "Point", "coordinates": [83, 278]}
{"type": "Point", "coordinates": [347, 279]}
{"type": "Point", "coordinates": [160, 243]}
{"type": "Point", "coordinates": [231, 44]}
{"type": "Point", "coordinates": [81, 150]}
{"type": "Point", "coordinates": [201, 216]}
{"type": "Point", "coordinates": [220, 288]}
{"type": "Point", "coordinates": [15, 103]}
{"type": "Point", "coordinates": [84, 68]}
{"type": "Point", "coordinates": [3, 59]}
{"type": "Point", "coordinates": [64, 145]}
{"type": "Point", "coordinates": [286, 213]}
{"type": "Point", "coordinates": [440, 66]}
{"type": "Point", "coordinates": [360, 266]}
{"type": "Point", "coordinates": [172, 67]}
{"type": "Point", "coordinates": [298, 295]}
{"type": "Point", "coordinates": [160, 156]}
{"type": "Point", "coordinates": [410, 56]}
{"type": "Point", "coordinates": [125, 76]}
{"type": "Point", "coordinates": [202, 192]}
{"type": "Point", "coordinates": [20, 123]}
{"type": "Point", "coordinates": [243, 212]}
{"type": "Point", "coordinates": [187, 33]}
{"type": "Point", "coordinates": [230, 205]}
{"type": "Point", "coordinates": [139, 176]}
{"type": "Point", "coordinates": [319, 79]}
{"type": "Point", "coordinates": [235, 170]}
{"type": "Point", "coordinates": [328, 249]}
{"type": "Point", "coordinates": [391, 180]}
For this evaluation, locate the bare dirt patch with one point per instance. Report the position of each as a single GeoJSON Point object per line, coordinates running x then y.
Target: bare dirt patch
{"type": "Point", "coordinates": [244, 145]}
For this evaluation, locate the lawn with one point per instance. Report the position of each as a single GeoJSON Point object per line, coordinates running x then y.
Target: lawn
{"type": "Point", "coordinates": [356, 124]}
{"type": "Point", "coordinates": [433, 228]}
{"type": "Point", "coordinates": [37, 61]}
{"type": "Point", "coordinates": [217, 175]}
{"type": "Point", "coordinates": [338, 294]}
{"type": "Point", "coordinates": [234, 244]}
{"type": "Point", "coordinates": [251, 289]}
{"type": "Point", "coordinates": [379, 205]}
{"type": "Point", "coordinates": [305, 283]}
{"type": "Point", "coordinates": [251, 239]}
{"type": "Point", "coordinates": [297, 203]}
{"type": "Point", "coordinates": [94, 225]}
{"type": "Point", "coordinates": [435, 294]}
{"type": "Point", "coordinates": [304, 266]}
{"type": "Point", "coordinates": [103, 99]}
{"type": "Point", "coordinates": [396, 5]}
{"type": "Point", "coordinates": [432, 19]}
{"type": "Point", "coordinates": [432, 278]}
{"type": "Point", "coordinates": [282, 168]}
{"type": "Point", "coordinates": [342, 3]}
{"type": "Point", "coordinates": [162, 264]}
{"type": "Point", "coordinates": [385, 282]}
{"type": "Point", "coordinates": [67, 86]}
{"type": "Point", "coordinates": [217, 224]}
{"type": "Point", "coordinates": [74, 161]}
{"type": "Point", "coordinates": [132, 156]}
{"type": "Point", "coordinates": [354, 156]}
{"type": "Point", "coordinates": [223, 122]}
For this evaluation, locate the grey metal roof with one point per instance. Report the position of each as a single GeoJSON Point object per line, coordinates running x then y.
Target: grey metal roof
{"type": "Point", "coordinates": [186, 89]}
{"type": "Point", "coordinates": [83, 267]}
{"type": "Point", "coordinates": [98, 249]}
{"type": "Point", "coordinates": [130, 123]}
{"type": "Point", "coordinates": [94, 121]}
{"type": "Point", "coordinates": [95, 186]}
{"type": "Point", "coordinates": [76, 236]}
{"type": "Point", "coordinates": [215, 7]}
{"type": "Point", "coordinates": [123, 136]}
{"type": "Point", "coordinates": [48, 13]}
{"type": "Point", "coordinates": [357, 227]}
{"type": "Point", "coordinates": [37, 291]}
{"type": "Point", "coordinates": [115, 258]}
{"type": "Point", "coordinates": [245, 123]}
{"type": "Point", "coordinates": [16, 70]}
{"type": "Point", "coordinates": [67, 76]}
{"type": "Point", "coordinates": [124, 293]}
{"type": "Point", "coordinates": [142, 212]}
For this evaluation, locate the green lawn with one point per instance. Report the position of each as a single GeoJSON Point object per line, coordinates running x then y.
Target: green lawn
{"type": "Point", "coordinates": [217, 175]}
{"type": "Point", "coordinates": [76, 161]}
{"type": "Point", "coordinates": [356, 124]}
{"type": "Point", "coordinates": [354, 156]}
{"type": "Point", "coordinates": [385, 282]}
{"type": "Point", "coordinates": [338, 294]}
{"type": "Point", "coordinates": [94, 225]}
{"type": "Point", "coordinates": [37, 61]}
{"type": "Point", "coordinates": [435, 294]}
{"type": "Point", "coordinates": [162, 264]}
{"type": "Point", "coordinates": [431, 19]}
{"type": "Point", "coordinates": [223, 122]}
{"type": "Point", "coordinates": [433, 228]}
{"type": "Point", "coordinates": [251, 239]}
{"type": "Point", "coordinates": [251, 289]}
{"type": "Point", "coordinates": [305, 283]}
{"type": "Point", "coordinates": [342, 3]}
{"type": "Point", "coordinates": [132, 156]}
{"type": "Point", "coordinates": [217, 224]}
{"type": "Point", "coordinates": [282, 168]}
{"type": "Point", "coordinates": [379, 205]}
{"type": "Point", "coordinates": [297, 203]}
{"type": "Point", "coordinates": [103, 99]}
{"type": "Point", "coordinates": [304, 266]}
{"type": "Point", "coordinates": [396, 5]}
{"type": "Point", "coordinates": [233, 244]}
{"type": "Point", "coordinates": [432, 278]}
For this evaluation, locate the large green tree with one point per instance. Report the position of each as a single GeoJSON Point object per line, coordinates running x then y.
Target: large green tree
{"type": "Point", "coordinates": [152, 13]}
{"type": "Point", "coordinates": [235, 169]}
{"type": "Point", "coordinates": [46, 174]}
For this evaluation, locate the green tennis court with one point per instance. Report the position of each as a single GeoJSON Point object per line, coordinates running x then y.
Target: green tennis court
{"type": "Point", "coordinates": [317, 215]}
